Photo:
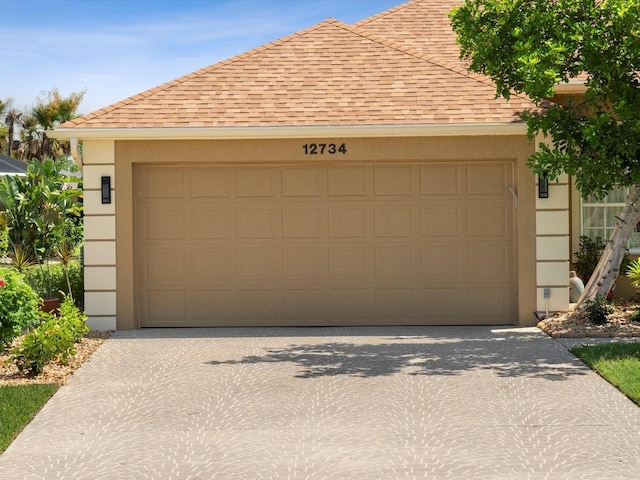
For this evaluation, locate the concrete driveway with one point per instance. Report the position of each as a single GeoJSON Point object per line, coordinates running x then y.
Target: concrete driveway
{"type": "Point", "coordinates": [331, 403]}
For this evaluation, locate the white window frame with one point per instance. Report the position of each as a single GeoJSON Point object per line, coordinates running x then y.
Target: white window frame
{"type": "Point", "coordinates": [610, 210]}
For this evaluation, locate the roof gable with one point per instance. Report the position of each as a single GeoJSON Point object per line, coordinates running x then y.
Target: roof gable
{"type": "Point", "coordinates": [331, 74]}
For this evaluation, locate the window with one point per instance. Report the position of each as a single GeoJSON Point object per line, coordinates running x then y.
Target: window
{"type": "Point", "coordinates": [599, 217]}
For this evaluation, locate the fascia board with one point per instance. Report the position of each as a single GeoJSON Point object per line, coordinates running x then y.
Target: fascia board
{"type": "Point", "coordinates": [227, 133]}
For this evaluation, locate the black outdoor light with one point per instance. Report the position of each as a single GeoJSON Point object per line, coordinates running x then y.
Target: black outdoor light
{"type": "Point", "coordinates": [543, 185]}
{"type": "Point", "coordinates": [105, 183]}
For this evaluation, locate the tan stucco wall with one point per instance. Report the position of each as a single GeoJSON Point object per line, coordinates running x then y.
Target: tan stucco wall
{"type": "Point", "coordinates": [100, 236]}
{"type": "Point", "coordinates": [127, 154]}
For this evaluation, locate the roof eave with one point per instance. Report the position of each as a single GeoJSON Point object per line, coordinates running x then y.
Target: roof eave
{"type": "Point", "coordinates": [340, 131]}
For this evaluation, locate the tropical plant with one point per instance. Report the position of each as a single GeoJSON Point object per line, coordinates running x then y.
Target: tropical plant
{"type": "Point", "coordinates": [40, 210]}
{"type": "Point", "coordinates": [18, 307]}
{"type": "Point", "coordinates": [633, 272]}
{"type": "Point", "coordinates": [529, 47]}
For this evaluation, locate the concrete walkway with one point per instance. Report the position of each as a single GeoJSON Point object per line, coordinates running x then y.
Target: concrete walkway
{"type": "Point", "coordinates": [331, 403]}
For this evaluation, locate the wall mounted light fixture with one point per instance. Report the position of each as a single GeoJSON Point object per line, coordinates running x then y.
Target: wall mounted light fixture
{"type": "Point", "coordinates": [543, 185]}
{"type": "Point", "coordinates": [105, 186]}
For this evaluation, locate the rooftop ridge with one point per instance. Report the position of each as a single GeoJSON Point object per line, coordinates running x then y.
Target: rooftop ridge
{"type": "Point", "coordinates": [434, 60]}
{"type": "Point", "coordinates": [384, 13]}
{"type": "Point", "coordinates": [209, 68]}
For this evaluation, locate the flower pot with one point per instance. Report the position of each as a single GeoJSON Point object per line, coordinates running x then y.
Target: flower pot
{"type": "Point", "coordinates": [50, 305]}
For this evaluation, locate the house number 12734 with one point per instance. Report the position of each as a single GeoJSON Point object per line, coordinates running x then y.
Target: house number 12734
{"type": "Point", "coordinates": [324, 148]}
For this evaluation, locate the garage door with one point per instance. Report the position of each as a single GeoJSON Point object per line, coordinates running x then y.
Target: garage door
{"type": "Point", "coordinates": [414, 243]}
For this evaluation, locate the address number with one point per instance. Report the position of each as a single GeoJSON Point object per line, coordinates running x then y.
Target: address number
{"type": "Point", "coordinates": [324, 148]}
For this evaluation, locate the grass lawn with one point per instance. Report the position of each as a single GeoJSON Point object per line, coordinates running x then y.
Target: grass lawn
{"type": "Point", "coordinates": [18, 405]}
{"type": "Point", "coordinates": [618, 363]}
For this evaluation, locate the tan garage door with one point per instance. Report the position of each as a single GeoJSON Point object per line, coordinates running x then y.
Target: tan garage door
{"type": "Point", "coordinates": [417, 243]}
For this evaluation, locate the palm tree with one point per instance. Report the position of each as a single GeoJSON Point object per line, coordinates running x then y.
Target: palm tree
{"type": "Point", "coordinates": [29, 137]}
{"type": "Point", "coordinates": [49, 112]}
{"type": "Point", "coordinates": [11, 119]}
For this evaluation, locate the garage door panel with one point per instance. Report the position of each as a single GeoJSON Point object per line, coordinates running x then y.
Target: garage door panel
{"type": "Point", "coordinates": [488, 179]}
{"type": "Point", "coordinates": [393, 180]}
{"type": "Point", "coordinates": [305, 263]}
{"type": "Point", "coordinates": [303, 222]}
{"type": "Point", "coordinates": [204, 305]}
{"type": "Point", "coordinates": [489, 263]}
{"type": "Point", "coordinates": [441, 219]}
{"type": "Point", "coordinates": [163, 183]}
{"type": "Point", "coordinates": [165, 307]}
{"type": "Point", "coordinates": [256, 306]}
{"type": "Point", "coordinates": [210, 266]}
{"type": "Point", "coordinates": [259, 264]}
{"type": "Point", "coordinates": [395, 305]}
{"type": "Point", "coordinates": [441, 264]}
{"type": "Point", "coordinates": [164, 266]}
{"type": "Point", "coordinates": [349, 263]}
{"type": "Point", "coordinates": [394, 221]}
{"type": "Point", "coordinates": [208, 222]}
{"type": "Point", "coordinates": [350, 305]}
{"type": "Point", "coordinates": [210, 182]}
{"type": "Point", "coordinates": [394, 263]}
{"type": "Point", "coordinates": [488, 219]}
{"type": "Point", "coordinates": [440, 179]}
{"type": "Point", "coordinates": [402, 243]}
{"type": "Point", "coordinates": [257, 222]}
{"type": "Point", "coordinates": [348, 181]}
{"type": "Point", "coordinates": [487, 305]}
{"type": "Point", "coordinates": [163, 222]}
{"type": "Point", "coordinates": [253, 182]}
{"type": "Point", "coordinates": [444, 304]}
{"type": "Point", "coordinates": [305, 181]}
{"type": "Point", "coordinates": [300, 305]}
{"type": "Point", "coordinates": [349, 222]}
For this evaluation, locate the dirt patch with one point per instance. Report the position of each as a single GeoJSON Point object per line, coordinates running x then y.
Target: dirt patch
{"type": "Point", "coordinates": [54, 372]}
{"type": "Point", "coordinates": [576, 325]}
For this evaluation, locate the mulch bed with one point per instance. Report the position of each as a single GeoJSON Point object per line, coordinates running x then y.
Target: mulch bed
{"type": "Point", "coordinates": [575, 325]}
{"type": "Point", "coordinates": [53, 372]}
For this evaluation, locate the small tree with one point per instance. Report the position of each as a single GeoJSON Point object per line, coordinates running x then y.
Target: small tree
{"type": "Point", "coordinates": [530, 46]}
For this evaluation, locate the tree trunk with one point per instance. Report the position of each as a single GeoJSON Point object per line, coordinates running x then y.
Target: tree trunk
{"type": "Point", "coordinates": [608, 269]}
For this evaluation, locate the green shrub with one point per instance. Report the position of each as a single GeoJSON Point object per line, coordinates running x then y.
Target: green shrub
{"type": "Point", "coordinates": [598, 309]}
{"type": "Point", "coordinates": [19, 307]}
{"type": "Point", "coordinates": [53, 340]}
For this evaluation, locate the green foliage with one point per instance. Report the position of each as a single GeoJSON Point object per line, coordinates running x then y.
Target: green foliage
{"type": "Point", "coordinates": [530, 46]}
{"type": "Point", "coordinates": [18, 405]}
{"type": "Point", "coordinates": [54, 276]}
{"type": "Point", "coordinates": [633, 272]}
{"type": "Point", "coordinates": [19, 307]}
{"type": "Point", "coordinates": [42, 214]}
{"type": "Point", "coordinates": [4, 235]}
{"type": "Point", "coordinates": [635, 316]}
{"type": "Point", "coordinates": [598, 309]}
{"type": "Point", "coordinates": [618, 363]}
{"type": "Point", "coordinates": [53, 340]}
{"type": "Point", "coordinates": [588, 256]}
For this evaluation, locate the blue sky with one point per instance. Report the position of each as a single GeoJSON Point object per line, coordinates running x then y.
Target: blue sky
{"type": "Point", "coordinates": [117, 48]}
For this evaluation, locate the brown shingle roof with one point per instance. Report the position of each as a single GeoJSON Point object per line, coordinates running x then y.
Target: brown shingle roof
{"type": "Point", "coordinates": [329, 74]}
{"type": "Point", "coordinates": [422, 25]}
